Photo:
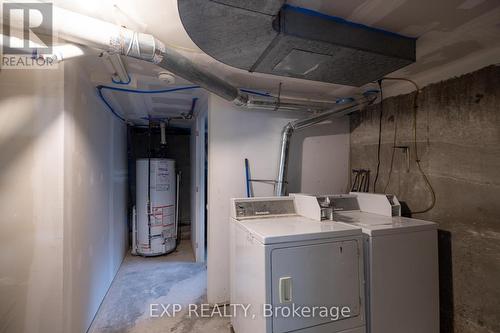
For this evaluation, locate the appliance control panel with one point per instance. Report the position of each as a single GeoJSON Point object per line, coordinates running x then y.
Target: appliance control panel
{"type": "Point", "coordinates": [258, 207]}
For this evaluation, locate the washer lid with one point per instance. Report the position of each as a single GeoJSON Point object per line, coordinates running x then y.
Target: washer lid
{"type": "Point", "coordinates": [374, 224]}
{"type": "Point", "coordinates": [274, 230]}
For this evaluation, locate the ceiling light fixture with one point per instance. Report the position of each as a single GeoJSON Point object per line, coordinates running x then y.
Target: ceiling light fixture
{"type": "Point", "coordinates": [166, 77]}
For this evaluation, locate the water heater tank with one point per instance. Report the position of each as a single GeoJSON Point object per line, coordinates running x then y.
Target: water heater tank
{"type": "Point", "coordinates": [155, 229]}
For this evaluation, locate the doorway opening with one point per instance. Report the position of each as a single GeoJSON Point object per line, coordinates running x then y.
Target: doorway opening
{"type": "Point", "coordinates": [146, 282]}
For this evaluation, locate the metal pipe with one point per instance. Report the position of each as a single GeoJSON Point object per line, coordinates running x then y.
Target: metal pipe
{"type": "Point", "coordinates": [134, 231]}
{"type": "Point", "coordinates": [163, 136]}
{"type": "Point", "coordinates": [177, 208]}
{"type": "Point", "coordinates": [113, 38]}
{"type": "Point", "coordinates": [289, 105]}
{"type": "Point", "coordinates": [178, 64]}
{"type": "Point", "coordinates": [286, 134]}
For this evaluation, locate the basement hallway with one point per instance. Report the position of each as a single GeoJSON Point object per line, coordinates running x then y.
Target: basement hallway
{"type": "Point", "coordinates": [140, 282]}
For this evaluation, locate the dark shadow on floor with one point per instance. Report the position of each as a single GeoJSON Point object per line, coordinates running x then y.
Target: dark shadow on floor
{"type": "Point", "coordinates": [445, 281]}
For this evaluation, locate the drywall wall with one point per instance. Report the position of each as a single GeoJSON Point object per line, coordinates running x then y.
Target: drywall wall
{"type": "Point", "coordinates": [317, 154]}
{"type": "Point", "coordinates": [31, 192]}
{"type": "Point", "coordinates": [458, 142]}
{"type": "Point", "coordinates": [95, 206]}
{"type": "Point", "coordinates": [198, 144]}
{"type": "Point", "coordinates": [235, 134]}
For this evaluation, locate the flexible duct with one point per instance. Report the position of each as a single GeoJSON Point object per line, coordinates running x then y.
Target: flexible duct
{"type": "Point", "coordinates": [286, 134]}
{"type": "Point", "coordinates": [110, 37]}
{"type": "Point", "coordinates": [95, 33]}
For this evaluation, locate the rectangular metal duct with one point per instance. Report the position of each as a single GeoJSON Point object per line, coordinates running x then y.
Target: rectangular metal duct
{"type": "Point", "coordinates": [266, 36]}
{"type": "Point", "coordinates": [318, 47]}
{"type": "Point", "coordinates": [268, 7]}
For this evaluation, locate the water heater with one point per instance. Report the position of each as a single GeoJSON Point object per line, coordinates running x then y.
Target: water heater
{"type": "Point", "coordinates": [155, 217]}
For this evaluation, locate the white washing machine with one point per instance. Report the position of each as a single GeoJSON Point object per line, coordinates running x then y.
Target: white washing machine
{"type": "Point", "coordinates": [282, 261]}
{"type": "Point", "coordinates": [401, 256]}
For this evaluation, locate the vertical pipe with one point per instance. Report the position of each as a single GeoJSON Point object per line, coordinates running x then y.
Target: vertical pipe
{"type": "Point", "coordinates": [134, 231]}
{"type": "Point", "coordinates": [177, 193]}
{"type": "Point", "coordinates": [163, 136]}
{"type": "Point", "coordinates": [280, 189]}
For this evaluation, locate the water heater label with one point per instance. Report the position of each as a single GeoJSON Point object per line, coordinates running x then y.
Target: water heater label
{"type": "Point", "coordinates": [162, 179]}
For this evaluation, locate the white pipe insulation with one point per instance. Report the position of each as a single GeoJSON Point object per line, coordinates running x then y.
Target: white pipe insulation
{"type": "Point", "coordinates": [102, 35]}
{"type": "Point", "coordinates": [90, 33]}
{"type": "Point", "coordinates": [106, 36]}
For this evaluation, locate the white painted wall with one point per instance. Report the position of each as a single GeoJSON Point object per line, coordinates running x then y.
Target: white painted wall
{"type": "Point", "coordinates": [31, 205]}
{"type": "Point", "coordinates": [62, 198]}
{"type": "Point", "coordinates": [198, 203]}
{"type": "Point", "coordinates": [95, 230]}
{"type": "Point", "coordinates": [319, 158]}
{"type": "Point", "coordinates": [236, 134]}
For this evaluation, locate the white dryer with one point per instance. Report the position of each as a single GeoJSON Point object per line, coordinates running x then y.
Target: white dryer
{"type": "Point", "coordinates": [282, 261]}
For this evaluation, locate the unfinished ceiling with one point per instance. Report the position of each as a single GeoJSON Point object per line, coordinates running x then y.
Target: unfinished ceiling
{"type": "Point", "coordinates": [454, 37]}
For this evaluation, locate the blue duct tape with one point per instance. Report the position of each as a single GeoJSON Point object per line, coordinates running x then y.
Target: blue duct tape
{"type": "Point", "coordinates": [120, 82]}
{"type": "Point", "coordinates": [101, 96]}
{"type": "Point", "coordinates": [257, 93]}
{"type": "Point", "coordinates": [136, 91]}
{"type": "Point", "coordinates": [371, 92]}
{"type": "Point", "coordinates": [340, 20]}
{"type": "Point", "coordinates": [193, 105]}
{"type": "Point", "coordinates": [344, 100]}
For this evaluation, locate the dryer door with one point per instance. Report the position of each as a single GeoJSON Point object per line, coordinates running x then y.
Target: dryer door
{"type": "Point", "coordinates": [320, 278]}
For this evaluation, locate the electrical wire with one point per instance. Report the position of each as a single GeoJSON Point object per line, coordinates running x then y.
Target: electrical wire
{"type": "Point", "coordinates": [379, 136]}
{"type": "Point", "coordinates": [105, 101]}
{"type": "Point", "coordinates": [417, 158]}
{"type": "Point", "coordinates": [394, 140]}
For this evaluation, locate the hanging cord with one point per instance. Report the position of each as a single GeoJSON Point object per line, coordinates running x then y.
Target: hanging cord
{"type": "Point", "coordinates": [417, 158]}
{"type": "Point", "coordinates": [379, 136]}
{"type": "Point", "coordinates": [393, 148]}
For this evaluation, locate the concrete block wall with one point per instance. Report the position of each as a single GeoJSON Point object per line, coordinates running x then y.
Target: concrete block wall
{"type": "Point", "coordinates": [459, 146]}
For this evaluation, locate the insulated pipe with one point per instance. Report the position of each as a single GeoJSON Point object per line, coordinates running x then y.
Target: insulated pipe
{"type": "Point", "coordinates": [113, 38]}
{"type": "Point", "coordinates": [106, 36]}
{"type": "Point", "coordinates": [110, 37]}
{"type": "Point", "coordinates": [178, 64]}
{"type": "Point", "coordinates": [293, 105]}
{"type": "Point", "coordinates": [286, 134]}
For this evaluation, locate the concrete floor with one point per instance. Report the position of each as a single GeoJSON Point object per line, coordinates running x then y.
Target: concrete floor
{"type": "Point", "coordinates": [172, 279]}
